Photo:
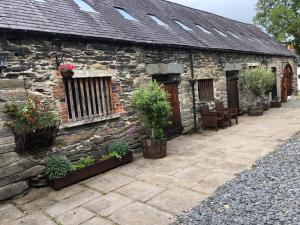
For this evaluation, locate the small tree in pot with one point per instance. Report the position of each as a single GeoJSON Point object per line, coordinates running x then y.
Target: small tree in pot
{"type": "Point", "coordinates": [259, 81]}
{"type": "Point", "coordinates": [155, 109]}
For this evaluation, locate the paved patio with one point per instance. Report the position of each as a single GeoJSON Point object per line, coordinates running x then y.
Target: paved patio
{"type": "Point", "coordinates": [148, 192]}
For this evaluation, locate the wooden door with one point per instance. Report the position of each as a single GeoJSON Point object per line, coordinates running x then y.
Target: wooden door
{"type": "Point", "coordinates": [232, 91]}
{"type": "Point", "coordinates": [175, 127]}
{"type": "Point", "coordinates": [287, 81]}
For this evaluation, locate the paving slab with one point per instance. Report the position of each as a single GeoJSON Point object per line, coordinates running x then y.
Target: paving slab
{"type": "Point", "coordinates": [108, 182]}
{"type": "Point", "coordinates": [9, 213]}
{"type": "Point", "coordinates": [34, 219]}
{"type": "Point", "coordinates": [75, 216]}
{"type": "Point", "coordinates": [98, 221]}
{"type": "Point", "coordinates": [141, 214]}
{"type": "Point", "coordinates": [140, 191]}
{"type": "Point", "coordinates": [71, 203]}
{"type": "Point", "coordinates": [108, 204]}
{"type": "Point", "coordinates": [177, 200]}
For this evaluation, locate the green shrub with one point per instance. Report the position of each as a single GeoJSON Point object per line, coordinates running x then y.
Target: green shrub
{"type": "Point", "coordinates": [118, 149]}
{"type": "Point", "coordinates": [57, 167]}
{"type": "Point", "coordinates": [259, 81]}
{"type": "Point", "coordinates": [154, 107]}
{"type": "Point", "coordinates": [83, 162]}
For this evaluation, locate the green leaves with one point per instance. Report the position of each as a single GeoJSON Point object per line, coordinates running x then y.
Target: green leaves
{"type": "Point", "coordinates": [280, 18]}
{"type": "Point", "coordinates": [259, 80]}
{"type": "Point", "coordinates": [154, 107]}
{"type": "Point", "coordinates": [57, 167]}
{"type": "Point", "coordinates": [118, 149]}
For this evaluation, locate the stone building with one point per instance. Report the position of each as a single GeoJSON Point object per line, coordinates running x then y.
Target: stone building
{"type": "Point", "coordinates": [116, 46]}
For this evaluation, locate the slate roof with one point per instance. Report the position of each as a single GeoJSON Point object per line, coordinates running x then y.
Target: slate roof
{"type": "Point", "coordinates": [65, 17]}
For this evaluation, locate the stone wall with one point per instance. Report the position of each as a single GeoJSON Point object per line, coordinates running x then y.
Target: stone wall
{"type": "Point", "coordinates": [31, 70]}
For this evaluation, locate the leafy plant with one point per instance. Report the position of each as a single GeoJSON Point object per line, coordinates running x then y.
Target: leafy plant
{"type": "Point", "coordinates": [57, 167]}
{"type": "Point", "coordinates": [259, 81]}
{"type": "Point", "coordinates": [84, 162]}
{"type": "Point", "coordinates": [154, 107]}
{"type": "Point", "coordinates": [30, 115]}
{"type": "Point", "coordinates": [118, 149]}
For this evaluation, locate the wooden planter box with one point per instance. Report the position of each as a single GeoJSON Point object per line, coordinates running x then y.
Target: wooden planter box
{"type": "Point", "coordinates": [154, 149]}
{"type": "Point", "coordinates": [255, 110]}
{"type": "Point", "coordinates": [90, 171]}
{"type": "Point", "coordinates": [275, 104]}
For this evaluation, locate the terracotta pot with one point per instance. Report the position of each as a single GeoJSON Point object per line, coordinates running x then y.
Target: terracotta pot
{"type": "Point", "coordinates": [255, 110]}
{"type": "Point", "coordinates": [155, 149]}
{"type": "Point", "coordinates": [67, 74]}
{"type": "Point", "coordinates": [90, 171]}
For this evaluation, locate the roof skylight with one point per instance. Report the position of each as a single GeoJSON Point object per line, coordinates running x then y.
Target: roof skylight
{"type": "Point", "coordinates": [125, 14]}
{"type": "Point", "coordinates": [221, 33]}
{"type": "Point", "coordinates": [233, 34]}
{"type": "Point", "coordinates": [84, 6]}
{"type": "Point", "coordinates": [203, 29]}
{"type": "Point", "coordinates": [256, 39]}
{"type": "Point", "coordinates": [183, 26]}
{"type": "Point", "coordinates": [158, 21]}
{"type": "Point", "coordinates": [39, 0]}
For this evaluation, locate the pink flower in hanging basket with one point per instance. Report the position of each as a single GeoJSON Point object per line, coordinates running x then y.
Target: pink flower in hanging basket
{"type": "Point", "coordinates": [66, 70]}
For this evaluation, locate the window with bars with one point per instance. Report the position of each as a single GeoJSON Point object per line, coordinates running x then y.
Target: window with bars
{"type": "Point", "coordinates": [206, 89]}
{"type": "Point", "coordinates": [88, 97]}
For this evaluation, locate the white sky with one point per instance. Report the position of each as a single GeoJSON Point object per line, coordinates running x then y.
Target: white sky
{"type": "Point", "coordinates": [241, 10]}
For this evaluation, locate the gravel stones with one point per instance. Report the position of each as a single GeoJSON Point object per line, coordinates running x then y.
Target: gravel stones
{"type": "Point", "coordinates": [268, 193]}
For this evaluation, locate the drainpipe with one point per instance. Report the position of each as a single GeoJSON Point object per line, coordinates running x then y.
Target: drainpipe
{"type": "Point", "coordinates": [193, 82]}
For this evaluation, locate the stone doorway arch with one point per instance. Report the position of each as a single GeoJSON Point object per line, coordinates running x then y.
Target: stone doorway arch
{"type": "Point", "coordinates": [287, 83]}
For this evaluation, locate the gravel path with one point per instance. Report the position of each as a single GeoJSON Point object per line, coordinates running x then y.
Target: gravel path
{"type": "Point", "coordinates": [268, 193]}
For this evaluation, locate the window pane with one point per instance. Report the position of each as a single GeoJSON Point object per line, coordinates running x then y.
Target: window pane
{"type": "Point", "coordinates": [158, 21]}
{"type": "Point", "coordinates": [206, 90]}
{"type": "Point", "coordinates": [84, 6]}
{"type": "Point", "coordinates": [183, 26]}
{"type": "Point", "coordinates": [125, 14]}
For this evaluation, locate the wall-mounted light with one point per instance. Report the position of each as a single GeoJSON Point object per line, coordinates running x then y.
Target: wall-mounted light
{"type": "Point", "coordinates": [3, 58]}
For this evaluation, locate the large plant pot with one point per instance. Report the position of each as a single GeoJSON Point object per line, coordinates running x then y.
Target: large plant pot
{"type": "Point", "coordinates": [90, 171]}
{"type": "Point", "coordinates": [155, 149]}
{"type": "Point", "coordinates": [254, 110]}
{"type": "Point", "coordinates": [275, 104]}
{"type": "Point", "coordinates": [35, 141]}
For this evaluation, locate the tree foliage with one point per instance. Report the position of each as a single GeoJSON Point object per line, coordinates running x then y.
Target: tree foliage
{"type": "Point", "coordinates": [259, 81]}
{"type": "Point", "coordinates": [281, 19]}
{"type": "Point", "coordinates": [154, 106]}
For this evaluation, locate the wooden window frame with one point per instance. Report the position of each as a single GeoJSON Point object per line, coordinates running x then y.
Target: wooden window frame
{"type": "Point", "coordinates": [88, 98]}
{"type": "Point", "coordinates": [206, 89]}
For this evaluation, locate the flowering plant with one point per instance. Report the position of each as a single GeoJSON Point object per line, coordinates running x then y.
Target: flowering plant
{"type": "Point", "coordinates": [66, 70]}
{"type": "Point", "coordinates": [30, 115]}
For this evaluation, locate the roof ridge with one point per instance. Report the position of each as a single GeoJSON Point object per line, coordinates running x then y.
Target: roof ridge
{"type": "Point", "coordinates": [200, 10]}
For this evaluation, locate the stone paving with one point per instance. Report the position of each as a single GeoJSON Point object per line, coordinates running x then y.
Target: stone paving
{"type": "Point", "coordinates": [152, 192]}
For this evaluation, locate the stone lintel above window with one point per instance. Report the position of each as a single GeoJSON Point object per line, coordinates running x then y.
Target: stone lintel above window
{"type": "Point", "coordinates": [160, 68]}
{"type": "Point", "coordinates": [94, 73]}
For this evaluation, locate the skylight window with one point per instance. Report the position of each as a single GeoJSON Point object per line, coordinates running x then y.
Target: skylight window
{"type": "Point", "coordinates": [233, 34]}
{"type": "Point", "coordinates": [125, 14]}
{"type": "Point", "coordinates": [158, 21]}
{"type": "Point", "coordinates": [221, 33]}
{"type": "Point", "coordinates": [203, 29]}
{"type": "Point", "coordinates": [183, 26]}
{"type": "Point", "coordinates": [256, 39]}
{"type": "Point", "coordinates": [84, 6]}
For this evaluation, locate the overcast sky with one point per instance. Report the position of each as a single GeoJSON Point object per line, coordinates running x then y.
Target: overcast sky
{"type": "Point", "coordinates": [241, 10]}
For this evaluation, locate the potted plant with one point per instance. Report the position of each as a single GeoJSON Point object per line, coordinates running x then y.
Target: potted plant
{"type": "Point", "coordinates": [61, 172]}
{"type": "Point", "coordinates": [34, 124]}
{"type": "Point", "coordinates": [155, 110]}
{"type": "Point", "coordinates": [258, 81]}
{"type": "Point", "coordinates": [66, 70]}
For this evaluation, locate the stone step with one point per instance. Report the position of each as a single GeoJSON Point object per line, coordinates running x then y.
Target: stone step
{"type": "Point", "coordinates": [7, 148]}
{"type": "Point", "coordinates": [12, 190]}
{"type": "Point", "coordinates": [8, 158]}
{"type": "Point", "coordinates": [17, 167]}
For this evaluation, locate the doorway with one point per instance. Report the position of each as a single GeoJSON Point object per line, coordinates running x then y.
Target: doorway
{"type": "Point", "coordinates": [287, 83]}
{"type": "Point", "coordinates": [170, 83]}
{"type": "Point", "coordinates": [232, 89]}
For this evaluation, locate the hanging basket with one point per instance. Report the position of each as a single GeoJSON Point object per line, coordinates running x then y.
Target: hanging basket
{"type": "Point", "coordinates": [37, 140]}
{"type": "Point", "coordinates": [68, 74]}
